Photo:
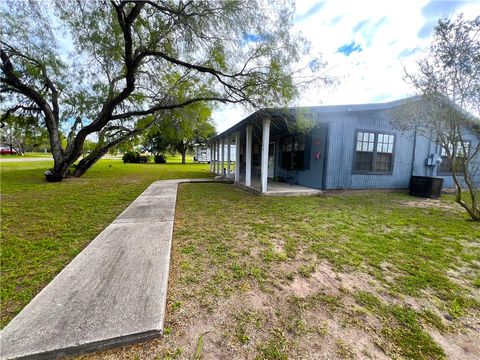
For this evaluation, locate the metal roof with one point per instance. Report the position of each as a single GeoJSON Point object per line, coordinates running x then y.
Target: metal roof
{"type": "Point", "coordinates": [272, 112]}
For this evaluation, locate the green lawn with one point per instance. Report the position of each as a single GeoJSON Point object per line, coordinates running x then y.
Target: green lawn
{"type": "Point", "coordinates": [45, 225]}
{"type": "Point", "coordinates": [348, 276]}
{"type": "Point", "coordinates": [28, 155]}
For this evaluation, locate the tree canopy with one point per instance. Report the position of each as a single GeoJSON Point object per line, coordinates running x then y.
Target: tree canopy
{"type": "Point", "coordinates": [181, 130]}
{"type": "Point", "coordinates": [24, 133]}
{"type": "Point", "coordinates": [101, 66]}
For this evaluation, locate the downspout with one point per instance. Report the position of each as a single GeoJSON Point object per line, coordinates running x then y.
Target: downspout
{"type": "Point", "coordinates": [414, 151]}
{"type": "Point", "coordinates": [429, 152]}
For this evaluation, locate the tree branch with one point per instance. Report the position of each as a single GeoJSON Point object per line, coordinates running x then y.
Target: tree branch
{"type": "Point", "coordinates": [173, 106]}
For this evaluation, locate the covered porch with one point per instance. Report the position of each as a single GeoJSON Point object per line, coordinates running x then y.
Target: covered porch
{"type": "Point", "coordinates": [258, 166]}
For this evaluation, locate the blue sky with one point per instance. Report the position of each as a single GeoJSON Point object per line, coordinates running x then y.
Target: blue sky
{"type": "Point", "coordinates": [367, 44]}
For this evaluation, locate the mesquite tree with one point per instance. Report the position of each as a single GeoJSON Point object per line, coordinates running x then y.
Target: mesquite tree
{"type": "Point", "coordinates": [448, 78]}
{"type": "Point", "coordinates": [107, 68]}
{"type": "Point", "coordinates": [187, 127]}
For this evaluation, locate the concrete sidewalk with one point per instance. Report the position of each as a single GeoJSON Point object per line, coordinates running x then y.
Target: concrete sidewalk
{"type": "Point", "coordinates": [114, 292]}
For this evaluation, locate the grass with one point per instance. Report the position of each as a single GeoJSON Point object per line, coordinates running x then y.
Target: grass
{"type": "Point", "coordinates": [27, 155]}
{"type": "Point", "coordinates": [251, 275]}
{"type": "Point", "coordinates": [45, 225]}
{"type": "Point", "coordinates": [229, 242]}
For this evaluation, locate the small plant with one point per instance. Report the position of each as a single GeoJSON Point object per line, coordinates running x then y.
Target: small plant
{"type": "Point", "coordinates": [290, 275]}
{"type": "Point", "coordinates": [176, 305]}
{"type": "Point", "coordinates": [275, 348]}
{"type": "Point", "coordinates": [344, 351]}
{"type": "Point", "coordinates": [306, 270]}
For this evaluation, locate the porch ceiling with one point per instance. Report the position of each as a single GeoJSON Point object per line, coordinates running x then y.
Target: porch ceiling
{"type": "Point", "coordinates": [278, 126]}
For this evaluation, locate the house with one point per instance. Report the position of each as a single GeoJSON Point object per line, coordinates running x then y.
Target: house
{"type": "Point", "coordinates": [202, 153]}
{"type": "Point", "coordinates": [344, 147]}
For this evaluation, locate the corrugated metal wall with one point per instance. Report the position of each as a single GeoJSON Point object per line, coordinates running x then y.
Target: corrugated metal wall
{"type": "Point", "coordinates": [341, 150]}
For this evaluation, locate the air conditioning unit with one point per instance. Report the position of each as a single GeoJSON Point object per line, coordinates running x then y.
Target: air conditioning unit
{"type": "Point", "coordinates": [433, 160]}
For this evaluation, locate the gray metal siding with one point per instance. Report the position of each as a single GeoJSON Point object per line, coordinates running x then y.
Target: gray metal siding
{"type": "Point", "coordinates": [340, 174]}
{"type": "Point", "coordinates": [341, 150]}
{"type": "Point", "coordinates": [313, 176]}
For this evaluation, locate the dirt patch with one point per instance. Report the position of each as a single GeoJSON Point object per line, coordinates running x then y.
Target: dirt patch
{"type": "Point", "coordinates": [306, 317]}
{"type": "Point", "coordinates": [426, 203]}
{"type": "Point", "coordinates": [459, 346]}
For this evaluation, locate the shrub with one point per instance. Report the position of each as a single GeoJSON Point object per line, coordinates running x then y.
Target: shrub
{"type": "Point", "coordinates": [134, 157]}
{"type": "Point", "coordinates": [160, 159]}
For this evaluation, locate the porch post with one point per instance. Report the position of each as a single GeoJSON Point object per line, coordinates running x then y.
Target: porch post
{"type": "Point", "coordinates": [265, 144]}
{"type": "Point", "coordinates": [211, 156]}
{"type": "Point", "coordinates": [214, 160]}
{"type": "Point", "coordinates": [237, 156]}
{"type": "Point", "coordinates": [229, 144]}
{"type": "Point", "coordinates": [218, 157]}
{"type": "Point", "coordinates": [248, 157]}
{"type": "Point", "coordinates": [222, 142]}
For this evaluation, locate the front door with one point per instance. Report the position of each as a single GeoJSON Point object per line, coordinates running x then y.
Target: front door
{"type": "Point", "coordinates": [271, 160]}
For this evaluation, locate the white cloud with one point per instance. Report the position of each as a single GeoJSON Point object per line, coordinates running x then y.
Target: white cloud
{"type": "Point", "coordinates": [388, 38]}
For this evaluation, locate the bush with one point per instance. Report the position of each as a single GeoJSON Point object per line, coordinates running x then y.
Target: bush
{"type": "Point", "coordinates": [134, 157]}
{"type": "Point", "coordinates": [160, 159]}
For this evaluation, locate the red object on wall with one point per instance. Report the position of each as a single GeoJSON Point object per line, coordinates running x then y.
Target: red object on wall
{"type": "Point", "coordinates": [316, 155]}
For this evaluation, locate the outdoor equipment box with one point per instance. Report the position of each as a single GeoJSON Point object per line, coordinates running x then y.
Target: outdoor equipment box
{"type": "Point", "coordinates": [426, 186]}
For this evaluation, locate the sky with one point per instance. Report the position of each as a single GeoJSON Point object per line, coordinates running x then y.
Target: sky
{"type": "Point", "coordinates": [367, 45]}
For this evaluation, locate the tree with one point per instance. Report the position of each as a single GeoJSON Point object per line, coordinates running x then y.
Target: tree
{"type": "Point", "coordinates": [131, 59]}
{"type": "Point", "coordinates": [23, 133]}
{"type": "Point", "coordinates": [154, 141]}
{"type": "Point", "coordinates": [188, 127]}
{"type": "Point", "coordinates": [180, 130]}
{"type": "Point", "coordinates": [448, 78]}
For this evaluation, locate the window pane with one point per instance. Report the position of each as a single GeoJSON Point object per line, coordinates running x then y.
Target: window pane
{"type": "Point", "coordinates": [365, 146]}
{"type": "Point", "coordinates": [363, 161]}
{"type": "Point", "coordinates": [380, 138]}
{"type": "Point", "coordinates": [360, 136]}
{"type": "Point", "coordinates": [359, 146]}
{"type": "Point", "coordinates": [370, 146]}
{"type": "Point", "coordinates": [372, 137]}
{"type": "Point", "coordinates": [365, 136]}
{"type": "Point", "coordinates": [390, 148]}
{"type": "Point", "coordinates": [300, 143]}
{"type": "Point", "coordinates": [445, 166]}
{"type": "Point", "coordinates": [390, 140]}
{"type": "Point", "coordinates": [383, 162]}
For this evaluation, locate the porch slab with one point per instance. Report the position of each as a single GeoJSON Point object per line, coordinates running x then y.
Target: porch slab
{"type": "Point", "coordinates": [279, 188]}
{"type": "Point", "coordinates": [113, 293]}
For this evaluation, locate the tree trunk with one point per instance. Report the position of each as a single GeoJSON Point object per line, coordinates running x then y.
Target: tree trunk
{"type": "Point", "coordinates": [88, 161]}
{"type": "Point", "coordinates": [184, 153]}
{"type": "Point", "coordinates": [59, 171]}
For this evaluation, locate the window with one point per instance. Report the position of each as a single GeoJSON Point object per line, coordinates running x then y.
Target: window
{"type": "Point", "coordinates": [373, 152]}
{"type": "Point", "coordinates": [445, 167]}
{"type": "Point", "coordinates": [293, 153]}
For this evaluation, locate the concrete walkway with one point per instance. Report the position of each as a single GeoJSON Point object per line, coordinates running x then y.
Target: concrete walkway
{"type": "Point", "coordinates": [114, 292]}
